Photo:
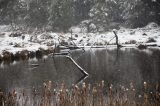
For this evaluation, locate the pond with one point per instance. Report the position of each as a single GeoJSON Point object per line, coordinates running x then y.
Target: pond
{"type": "Point", "coordinates": [117, 67]}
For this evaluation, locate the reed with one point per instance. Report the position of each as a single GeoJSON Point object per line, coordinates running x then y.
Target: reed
{"type": "Point", "coordinates": [82, 95]}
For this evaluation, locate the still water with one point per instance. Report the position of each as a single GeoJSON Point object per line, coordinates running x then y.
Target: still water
{"type": "Point", "coordinates": [117, 67]}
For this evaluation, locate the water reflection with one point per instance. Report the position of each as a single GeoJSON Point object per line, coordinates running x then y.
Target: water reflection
{"type": "Point", "coordinates": [34, 72]}
{"type": "Point", "coordinates": [118, 67]}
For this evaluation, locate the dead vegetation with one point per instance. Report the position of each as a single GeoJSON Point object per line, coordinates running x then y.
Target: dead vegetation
{"type": "Point", "coordinates": [82, 95]}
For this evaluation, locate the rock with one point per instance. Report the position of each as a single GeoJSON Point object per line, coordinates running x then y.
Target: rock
{"type": "Point", "coordinates": [144, 34]}
{"type": "Point", "coordinates": [23, 37]}
{"type": "Point", "coordinates": [16, 45]}
{"type": "Point", "coordinates": [81, 40]}
{"type": "Point", "coordinates": [132, 32]}
{"type": "Point", "coordinates": [11, 43]}
{"type": "Point", "coordinates": [71, 38]}
{"type": "Point", "coordinates": [2, 34]}
{"type": "Point", "coordinates": [63, 42]}
{"type": "Point", "coordinates": [75, 30]}
{"type": "Point", "coordinates": [141, 46]}
{"type": "Point", "coordinates": [131, 42]}
{"type": "Point", "coordinates": [76, 35]}
{"type": "Point", "coordinates": [98, 44]}
{"type": "Point", "coordinates": [152, 25]}
{"type": "Point", "coordinates": [151, 40]}
{"type": "Point", "coordinates": [15, 34]}
{"type": "Point", "coordinates": [88, 44]}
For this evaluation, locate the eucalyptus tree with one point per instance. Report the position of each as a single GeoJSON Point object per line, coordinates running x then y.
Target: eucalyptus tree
{"type": "Point", "coordinates": [106, 14]}
{"type": "Point", "coordinates": [37, 13]}
{"type": "Point", "coordinates": [12, 11]}
{"type": "Point", "coordinates": [61, 14]}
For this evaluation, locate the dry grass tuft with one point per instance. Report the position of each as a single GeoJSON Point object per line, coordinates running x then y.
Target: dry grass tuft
{"type": "Point", "coordinates": [83, 95]}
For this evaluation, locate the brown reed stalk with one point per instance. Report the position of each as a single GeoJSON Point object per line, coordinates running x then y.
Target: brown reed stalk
{"type": "Point", "coordinates": [110, 95]}
{"type": "Point", "coordinates": [146, 102]}
{"type": "Point", "coordinates": [84, 95]}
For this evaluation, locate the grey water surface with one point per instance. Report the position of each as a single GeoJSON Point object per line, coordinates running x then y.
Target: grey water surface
{"type": "Point", "coordinates": [117, 67]}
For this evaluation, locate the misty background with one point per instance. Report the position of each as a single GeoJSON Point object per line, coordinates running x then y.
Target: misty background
{"type": "Point", "coordinates": [95, 15]}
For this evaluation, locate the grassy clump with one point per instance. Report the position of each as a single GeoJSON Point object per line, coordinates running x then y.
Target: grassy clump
{"type": "Point", "coordinates": [83, 95]}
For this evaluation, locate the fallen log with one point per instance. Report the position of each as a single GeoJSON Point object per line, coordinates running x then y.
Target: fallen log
{"type": "Point", "coordinates": [151, 44]}
{"type": "Point", "coordinates": [79, 67]}
{"type": "Point", "coordinates": [80, 47]}
{"type": "Point", "coordinates": [61, 53]}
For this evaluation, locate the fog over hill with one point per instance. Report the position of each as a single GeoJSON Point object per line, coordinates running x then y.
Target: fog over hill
{"type": "Point", "coordinates": [95, 15]}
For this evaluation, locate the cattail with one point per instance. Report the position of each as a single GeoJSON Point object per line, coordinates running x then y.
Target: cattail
{"type": "Point", "coordinates": [62, 86]}
{"type": "Point", "coordinates": [49, 85]}
{"type": "Point", "coordinates": [34, 91]}
{"type": "Point", "coordinates": [76, 87]}
{"type": "Point", "coordinates": [84, 85]}
{"type": "Point", "coordinates": [44, 85]}
{"type": "Point", "coordinates": [102, 83]}
{"type": "Point", "coordinates": [145, 95]}
{"type": "Point", "coordinates": [23, 92]}
{"type": "Point", "coordinates": [14, 94]}
{"type": "Point", "coordinates": [89, 86]}
{"type": "Point", "coordinates": [111, 87]}
{"type": "Point", "coordinates": [111, 95]}
{"type": "Point", "coordinates": [145, 85]}
{"type": "Point", "coordinates": [131, 86]}
{"type": "Point", "coordinates": [94, 91]}
{"type": "Point", "coordinates": [83, 95]}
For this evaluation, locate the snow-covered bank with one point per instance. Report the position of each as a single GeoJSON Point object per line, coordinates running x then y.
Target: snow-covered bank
{"type": "Point", "coordinates": [11, 43]}
{"type": "Point", "coordinates": [15, 44]}
{"type": "Point", "coordinates": [148, 34]}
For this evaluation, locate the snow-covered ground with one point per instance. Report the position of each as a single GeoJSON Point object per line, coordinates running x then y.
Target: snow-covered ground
{"type": "Point", "coordinates": [146, 35]}
{"type": "Point", "coordinates": [15, 44]}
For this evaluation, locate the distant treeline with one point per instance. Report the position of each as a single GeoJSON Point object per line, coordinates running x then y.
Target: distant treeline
{"type": "Point", "coordinates": [60, 15]}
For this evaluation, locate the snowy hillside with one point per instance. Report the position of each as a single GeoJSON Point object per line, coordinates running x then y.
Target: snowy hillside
{"type": "Point", "coordinates": [146, 35]}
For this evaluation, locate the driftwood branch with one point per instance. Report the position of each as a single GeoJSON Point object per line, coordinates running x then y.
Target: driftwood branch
{"type": "Point", "coordinates": [79, 67]}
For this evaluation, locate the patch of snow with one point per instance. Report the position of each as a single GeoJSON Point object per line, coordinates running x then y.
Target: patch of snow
{"type": "Point", "coordinates": [126, 36]}
{"type": "Point", "coordinates": [75, 30]}
{"type": "Point", "coordinates": [5, 28]}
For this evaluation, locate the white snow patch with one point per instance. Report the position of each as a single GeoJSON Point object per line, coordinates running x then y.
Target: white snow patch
{"type": "Point", "coordinates": [129, 37]}
{"type": "Point", "coordinates": [5, 28]}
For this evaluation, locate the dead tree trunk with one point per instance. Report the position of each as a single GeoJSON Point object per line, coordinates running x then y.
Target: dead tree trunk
{"type": "Point", "coordinates": [116, 36]}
